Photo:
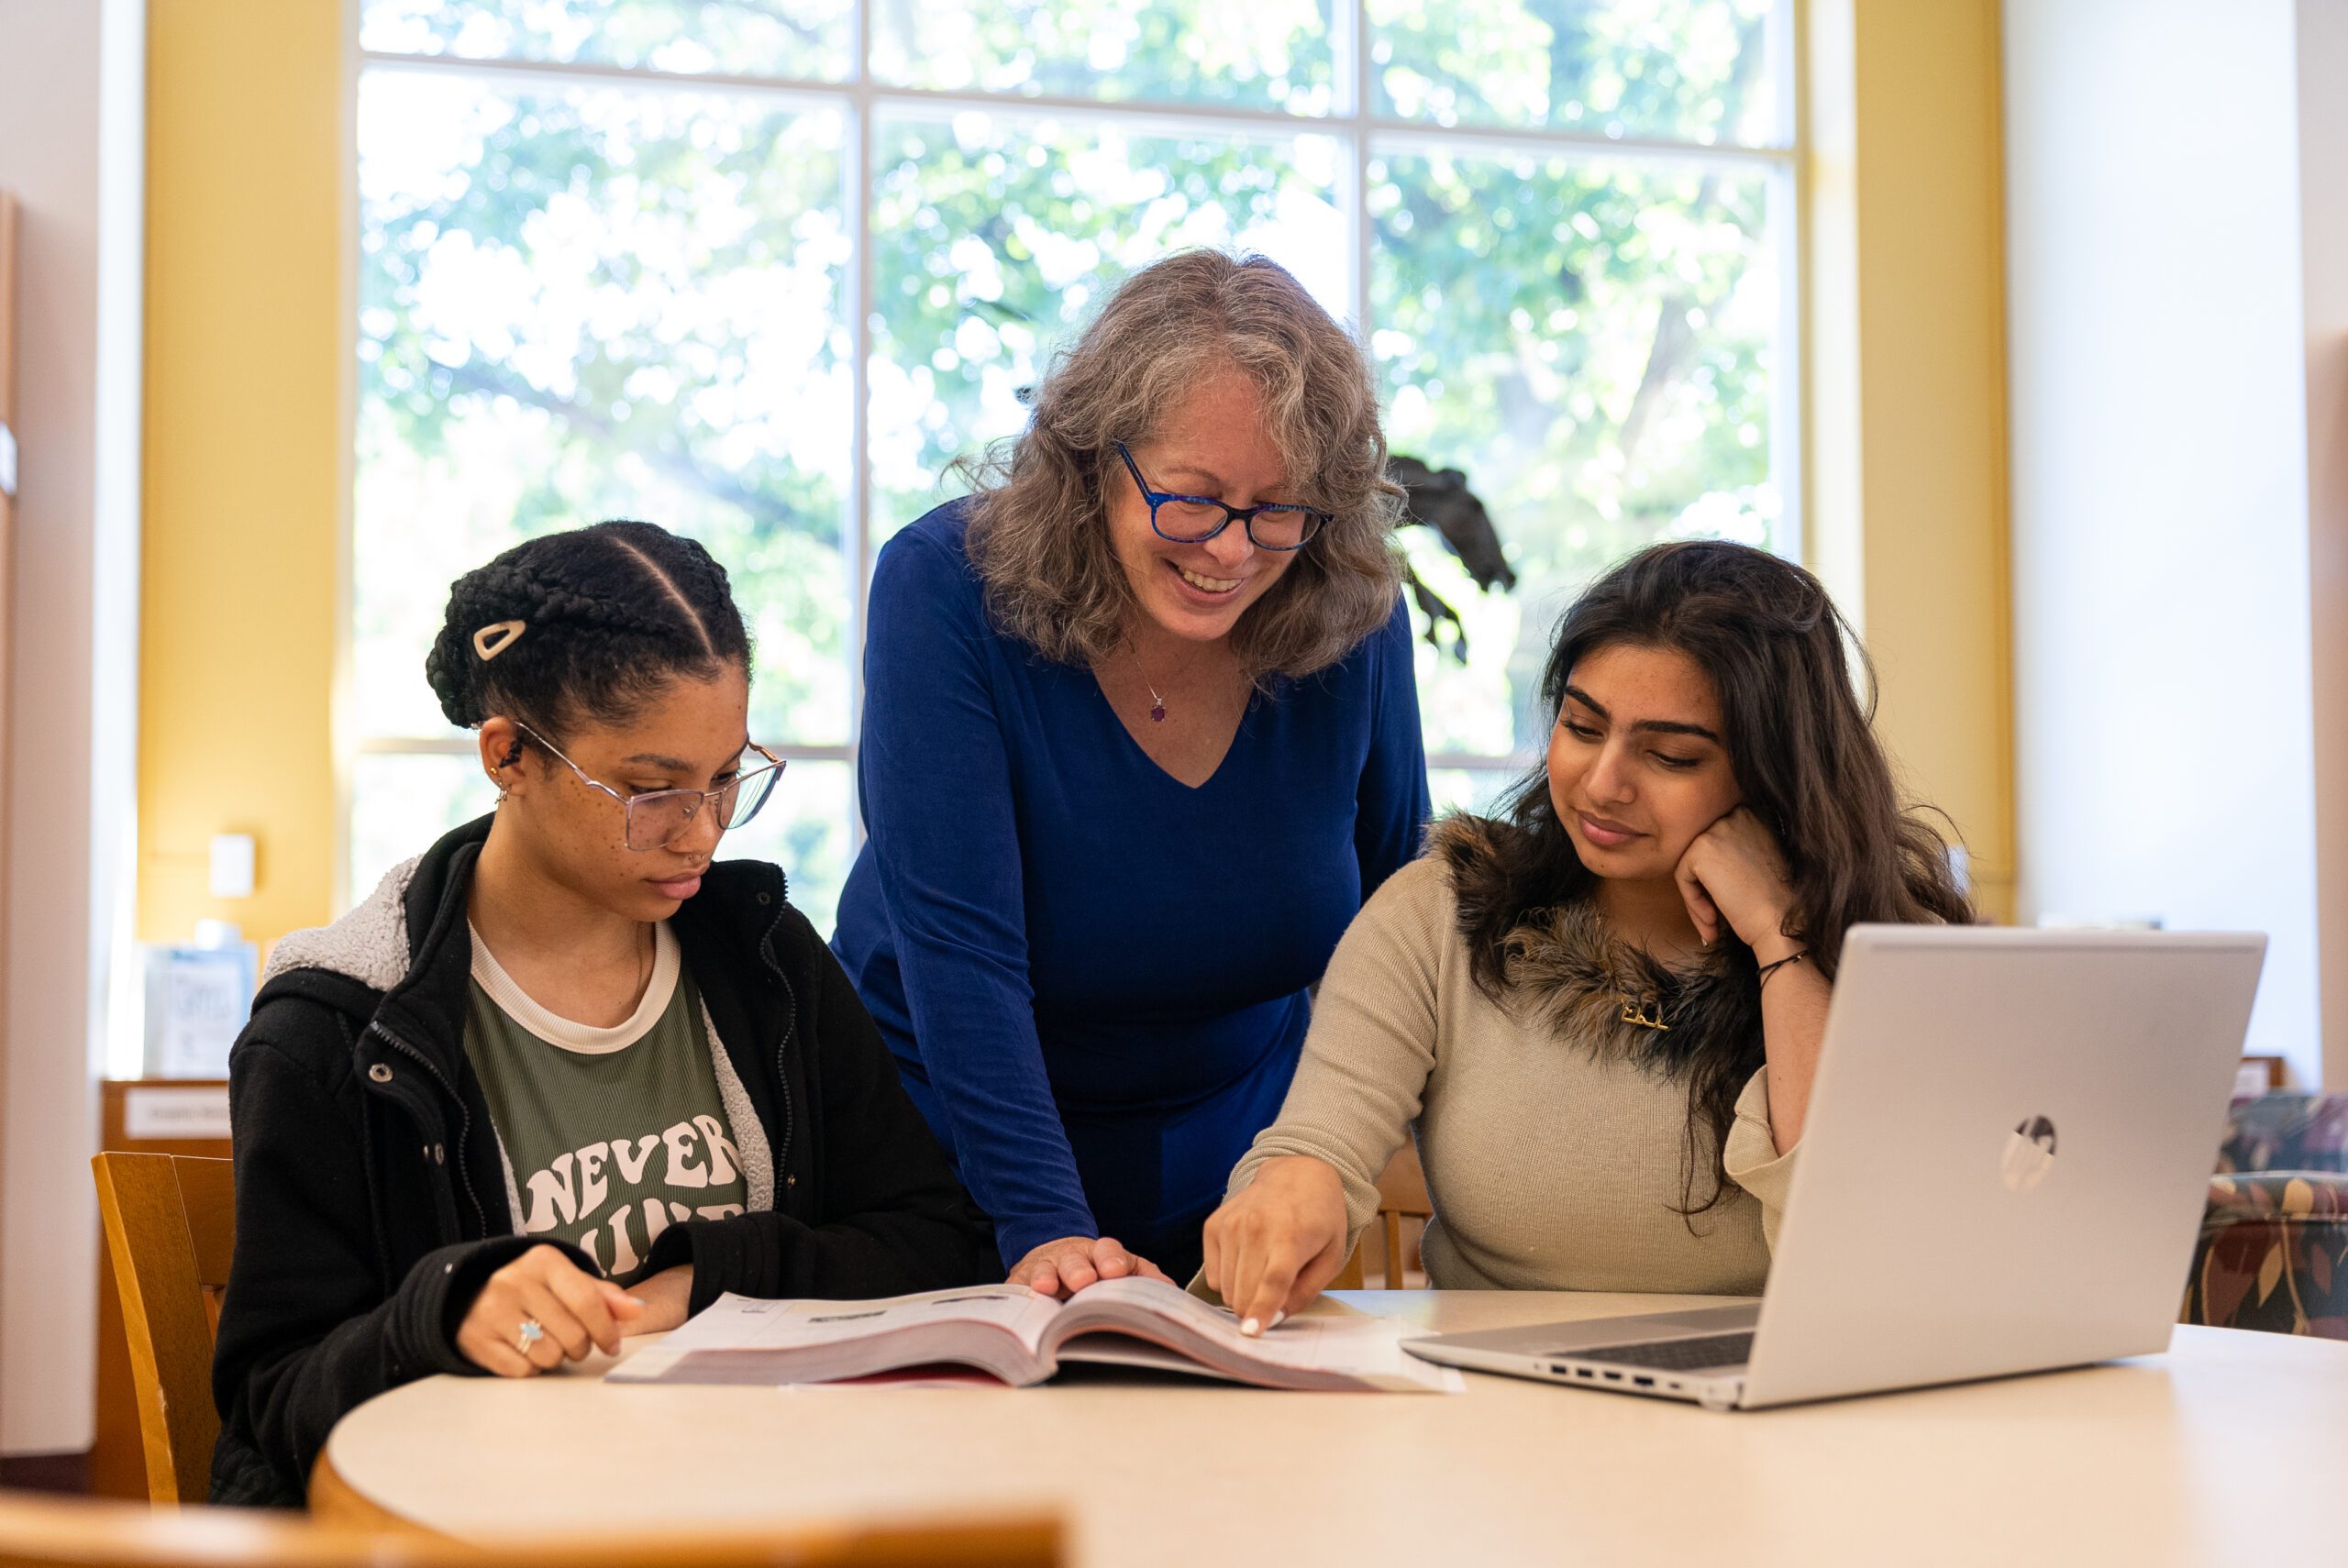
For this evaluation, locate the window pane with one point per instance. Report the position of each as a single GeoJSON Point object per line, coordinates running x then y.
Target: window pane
{"type": "Point", "coordinates": [1264, 54]}
{"type": "Point", "coordinates": [1692, 70]}
{"type": "Point", "coordinates": [401, 803]}
{"type": "Point", "coordinates": [805, 829]}
{"type": "Point", "coordinates": [995, 239]}
{"type": "Point", "coordinates": [1592, 346]}
{"type": "Point", "coordinates": [584, 302]}
{"type": "Point", "coordinates": [1476, 790]}
{"type": "Point", "coordinates": [803, 38]}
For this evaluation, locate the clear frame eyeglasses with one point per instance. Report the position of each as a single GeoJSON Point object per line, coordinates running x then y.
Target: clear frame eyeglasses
{"type": "Point", "coordinates": [655, 819]}
{"type": "Point", "coordinates": [1195, 519]}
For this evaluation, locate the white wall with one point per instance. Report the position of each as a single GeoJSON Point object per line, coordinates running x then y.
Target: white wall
{"type": "Point", "coordinates": [72, 130]}
{"type": "Point", "coordinates": [2161, 583]}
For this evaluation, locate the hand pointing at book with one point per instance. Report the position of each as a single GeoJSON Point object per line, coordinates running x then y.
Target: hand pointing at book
{"type": "Point", "coordinates": [1277, 1240]}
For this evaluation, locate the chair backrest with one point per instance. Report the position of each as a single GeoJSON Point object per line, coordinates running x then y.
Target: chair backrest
{"type": "Point", "coordinates": [1401, 1195]}
{"type": "Point", "coordinates": [170, 1225]}
{"type": "Point", "coordinates": [2285, 1131]}
{"type": "Point", "coordinates": [53, 1532]}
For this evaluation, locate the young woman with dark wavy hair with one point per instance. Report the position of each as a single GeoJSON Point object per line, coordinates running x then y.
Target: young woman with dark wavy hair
{"type": "Point", "coordinates": [1140, 733]}
{"type": "Point", "coordinates": [1598, 1011]}
{"type": "Point", "coordinates": [565, 1076]}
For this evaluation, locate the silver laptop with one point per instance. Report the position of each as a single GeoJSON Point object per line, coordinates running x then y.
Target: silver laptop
{"type": "Point", "coordinates": [2004, 1161]}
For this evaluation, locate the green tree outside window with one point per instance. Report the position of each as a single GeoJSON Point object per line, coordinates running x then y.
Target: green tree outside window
{"type": "Point", "coordinates": [621, 259]}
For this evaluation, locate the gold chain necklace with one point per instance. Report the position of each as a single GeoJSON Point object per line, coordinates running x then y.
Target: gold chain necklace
{"type": "Point", "coordinates": [1643, 1011]}
{"type": "Point", "coordinates": [1647, 1012]}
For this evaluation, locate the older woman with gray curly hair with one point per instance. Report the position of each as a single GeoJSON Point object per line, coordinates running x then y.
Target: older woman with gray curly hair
{"type": "Point", "coordinates": [1140, 736]}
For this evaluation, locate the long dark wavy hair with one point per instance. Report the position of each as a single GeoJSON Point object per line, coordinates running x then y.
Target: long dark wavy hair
{"type": "Point", "coordinates": [1801, 739]}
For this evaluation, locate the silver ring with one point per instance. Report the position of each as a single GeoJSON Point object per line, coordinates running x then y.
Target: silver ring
{"type": "Point", "coordinates": [530, 1333]}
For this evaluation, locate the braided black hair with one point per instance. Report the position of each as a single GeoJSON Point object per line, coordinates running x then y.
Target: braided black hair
{"type": "Point", "coordinates": [610, 614]}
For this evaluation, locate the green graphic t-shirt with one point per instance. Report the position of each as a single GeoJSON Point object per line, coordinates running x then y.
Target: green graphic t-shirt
{"type": "Point", "coordinates": [613, 1134]}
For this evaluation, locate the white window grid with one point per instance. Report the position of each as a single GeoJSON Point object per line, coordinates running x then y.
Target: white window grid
{"type": "Point", "coordinates": [1363, 134]}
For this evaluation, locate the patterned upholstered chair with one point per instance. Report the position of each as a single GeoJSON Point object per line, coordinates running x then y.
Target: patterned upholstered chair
{"type": "Point", "coordinates": [2273, 1248]}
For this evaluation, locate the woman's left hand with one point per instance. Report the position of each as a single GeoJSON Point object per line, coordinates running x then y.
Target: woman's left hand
{"type": "Point", "coordinates": [1735, 874]}
{"type": "Point", "coordinates": [665, 1296]}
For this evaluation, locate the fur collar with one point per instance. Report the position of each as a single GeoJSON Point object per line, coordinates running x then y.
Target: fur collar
{"type": "Point", "coordinates": [1564, 967]}
{"type": "Point", "coordinates": [370, 943]}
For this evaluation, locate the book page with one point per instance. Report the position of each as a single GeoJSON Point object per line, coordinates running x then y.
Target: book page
{"type": "Point", "coordinates": [1318, 1347]}
{"type": "Point", "coordinates": [799, 1330]}
{"type": "Point", "coordinates": [1110, 1348]}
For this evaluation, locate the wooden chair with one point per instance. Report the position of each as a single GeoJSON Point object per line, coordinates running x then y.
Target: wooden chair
{"type": "Point", "coordinates": [55, 1532]}
{"type": "Point", "coordinates": [170, 1225]}
{"type": "Point", "coordinates": [1401, 1195]}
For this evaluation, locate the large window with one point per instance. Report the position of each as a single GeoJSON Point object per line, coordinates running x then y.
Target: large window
{"type": "Point", "coordinates": [758, 269]}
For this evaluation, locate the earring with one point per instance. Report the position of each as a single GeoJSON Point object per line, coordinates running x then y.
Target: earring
{"type": "Point", "coordinates": [502, 790]}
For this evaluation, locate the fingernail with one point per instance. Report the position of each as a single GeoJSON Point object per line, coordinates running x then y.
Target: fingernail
{"type": "Point", "coordinates": [1277, 1318]}
{"type": "Point", "coordinates": [1251, 1328]}
{"type": "Point", "coordinates": [638, 1299]}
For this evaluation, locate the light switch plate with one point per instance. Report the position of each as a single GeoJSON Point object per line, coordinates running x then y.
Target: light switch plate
{"type": "Point", "coordinates": [232, 865]}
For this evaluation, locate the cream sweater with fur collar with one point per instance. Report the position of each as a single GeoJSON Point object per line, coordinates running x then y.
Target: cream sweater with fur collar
{"type": "Point", "coordinates": [1554, 1159]}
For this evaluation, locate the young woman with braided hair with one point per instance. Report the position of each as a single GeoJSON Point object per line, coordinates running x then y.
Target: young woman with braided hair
{"type": "Point", "coordinates": [564, 1076]}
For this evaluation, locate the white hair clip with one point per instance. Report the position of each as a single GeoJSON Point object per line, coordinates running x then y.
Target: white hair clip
{"type": "Point", "coordinates": [493, 640]}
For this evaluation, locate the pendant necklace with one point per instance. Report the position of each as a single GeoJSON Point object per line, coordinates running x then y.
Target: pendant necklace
{"type": "Point", "coordinates": [1643, 1009]}
{"type": "Point", "coordinates": [644, 964]}
{"type": "Point", "coordinates": [1156, 702]}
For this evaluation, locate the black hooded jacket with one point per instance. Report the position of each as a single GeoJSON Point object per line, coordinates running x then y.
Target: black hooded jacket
{"type": "Point", "coordinates": [371, 1191]}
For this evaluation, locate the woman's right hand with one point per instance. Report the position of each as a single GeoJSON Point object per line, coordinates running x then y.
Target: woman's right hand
{"type": "Point", "coordinates": [1276, 1241]}
{"type": "Point", "coordinates": [1066, 1265]}
{"type": "Point", "coordinates": [576, 1313]}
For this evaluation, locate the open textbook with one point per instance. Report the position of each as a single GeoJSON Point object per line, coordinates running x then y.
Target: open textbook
{"type": "Point", "coordinates": [1022, 1337]}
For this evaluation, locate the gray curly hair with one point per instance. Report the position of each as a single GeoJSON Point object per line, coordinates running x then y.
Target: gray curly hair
{"type": "Point", "coordinates": [1038, 530]}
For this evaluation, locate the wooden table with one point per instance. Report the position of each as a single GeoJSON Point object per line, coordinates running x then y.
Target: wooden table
{"type": "Point", "coordinates": [2227, 1450]}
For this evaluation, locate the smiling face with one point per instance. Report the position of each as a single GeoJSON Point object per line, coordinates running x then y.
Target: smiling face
{"type": "Point", "coordinates": [1636, 765]}
{"type": "Point", "coordinates": [1213, 444]}
{"type": "Point", "coordinates": [690, 736]}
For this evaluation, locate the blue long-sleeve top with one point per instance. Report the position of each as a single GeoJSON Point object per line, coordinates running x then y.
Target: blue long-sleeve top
{"type": "Point", "coordinates": [1093, 977]}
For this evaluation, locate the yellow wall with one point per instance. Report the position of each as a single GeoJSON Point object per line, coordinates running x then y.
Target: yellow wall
{"type": "Point", "coordinates": [244, 439]}
{"type": "Point", "coordinates": [1904, 461]}
{"type": "Point", "coordinates": [1906, 435]}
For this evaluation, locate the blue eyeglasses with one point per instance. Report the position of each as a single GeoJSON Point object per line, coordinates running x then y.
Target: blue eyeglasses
{"type": "Point", "coordinates": [1194, 519]}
